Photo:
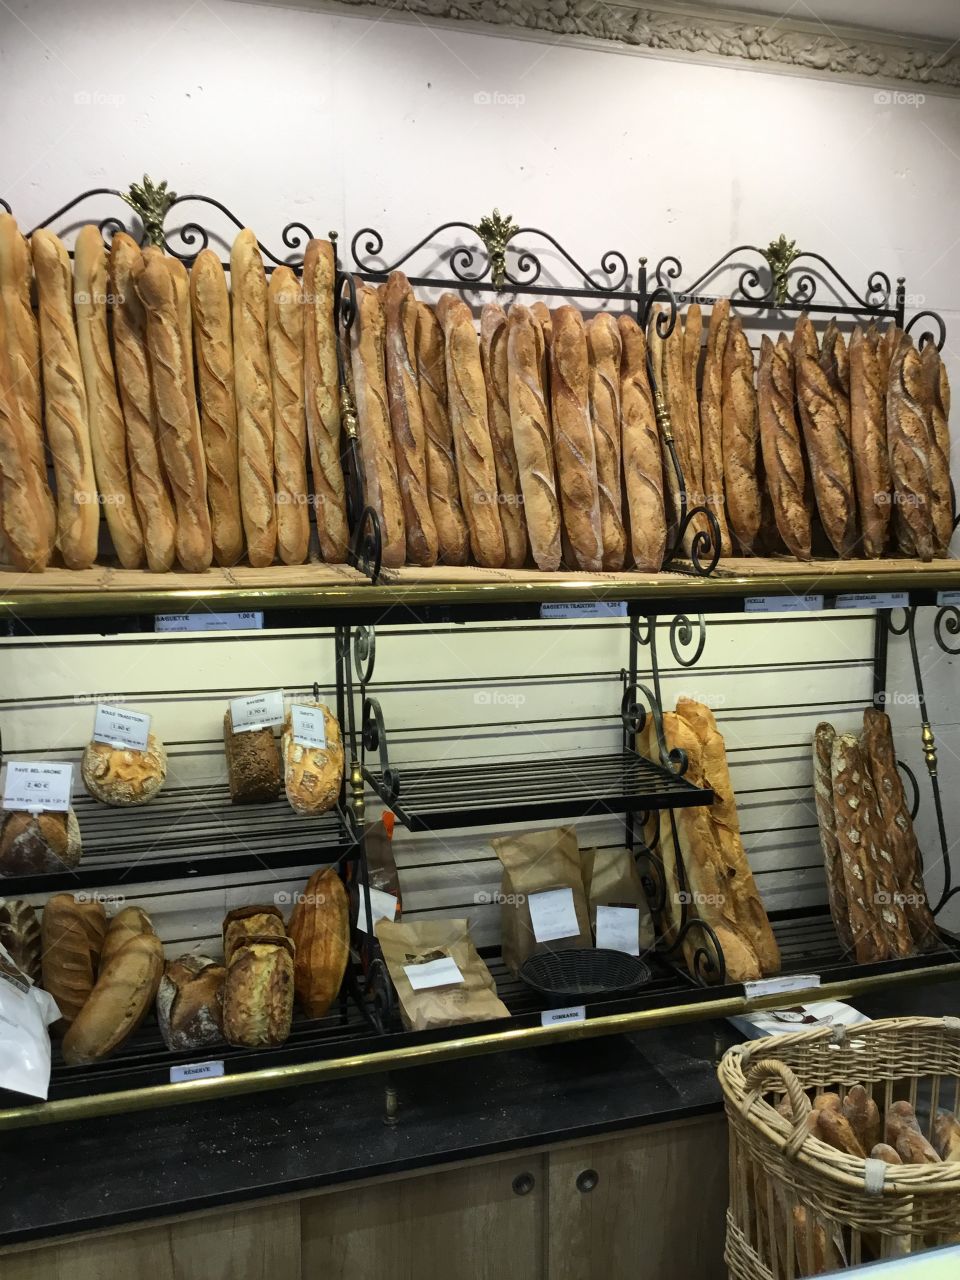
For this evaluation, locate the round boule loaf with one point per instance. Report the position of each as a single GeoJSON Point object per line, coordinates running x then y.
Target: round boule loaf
{"type": "Point", "coordinates": [313, 775]}
{"type": "Point", "coordinates": [120, 777]}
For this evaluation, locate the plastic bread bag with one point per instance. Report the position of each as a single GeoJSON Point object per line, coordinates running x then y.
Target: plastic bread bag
{"type": "Point", "coordinates": [26, 1014]}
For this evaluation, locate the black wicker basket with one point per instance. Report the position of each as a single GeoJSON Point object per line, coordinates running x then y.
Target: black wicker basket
{"type": "Point", "coordinates": [578, 976]}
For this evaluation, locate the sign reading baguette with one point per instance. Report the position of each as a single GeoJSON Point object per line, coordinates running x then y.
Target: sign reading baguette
{"type": "Point", "coordinates": [117, 727]}
{"type": "Point", "coordinates": [433, 973]}
{"type": "Point", "coordinates": [553, 915]}
{"type": "Point", "coordinates": [259, 711]}
{"type": "Point", "coordinates": [38, 787]}
{"type": "Point", "coordinates": [309, 728]}
{"type": "Point", "coordinates": [208, 621]}
{"type": "Point", "coordinates": [585, 609]}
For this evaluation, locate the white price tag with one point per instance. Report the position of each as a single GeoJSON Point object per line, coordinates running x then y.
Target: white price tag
{"type": "Point", "coordinates": [774, 986]}
{"type": "Point", "coordinates": [874, 600]}
{"type": "Point", "coordinates": [259, 711]}
{"type": "Point", "coordinates": [39, 787]}
{"type": "Point", "coordinates": [553, 915]}
{"type": "Point", "coordinates": [948, 597]}
{"type": "Point", "coordinates": [383, 906]}
{"type": "Point", "coordinates": [205, 621]}
{"type": "Point", "coordinates": [552, 1017]}
{"type": "Point", "coordinates": [117, 727]}
{"type": "Point", "coordinates": [195, 1071]}
{"type": "Point", "coordinates": [782, 604]}
{"type": "Point", "coordinates": [585, 609]}
{"type": "Point", "coordinates": [309, 728]}
{"type": "Point", "coordinates": [618, 928]}
{"type": "Point", "coordinates": [435, 973]}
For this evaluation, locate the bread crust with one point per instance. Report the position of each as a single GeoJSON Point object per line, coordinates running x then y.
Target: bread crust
{"type": "Point", "coordinates": [530, 424]}
{"type": "Point", "coordinates": [493, 359]}
{"type": "Point", "coordinates": [642, 460]}
{"type": "Point", "coordinates": [72, 935]}
{"type": "Point", "coordinates": [908, 444]}
{"type": "Point", "coordinates": [453, 537]}
{"type": "Point", "coordinates": [823, 739]}
{"type": "Point", "coordinates": [783, 459]}
{"type": "Point", "coordinates": [711, 419]}
{"type": "Point", "coordinates": [868, 440]}
{"type": "Point", "coordinates": [936, 403]}
{"type": "Point", "coordinates": [312, 775]}
{"type": "Point", "coordinates": [285, 326]}
{"type": "Point", "coordinates": [741, 438]}
{"type": "Point", "coordinates": [573, 438]}
{"type": "Point", "coordinates": [605, 351]}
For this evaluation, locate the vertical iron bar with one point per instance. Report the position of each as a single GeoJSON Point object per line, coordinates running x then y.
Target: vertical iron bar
{"type": "Point", "coordinates": [901, 301]}
{"type": "Point", "coordinates": [881, 639]}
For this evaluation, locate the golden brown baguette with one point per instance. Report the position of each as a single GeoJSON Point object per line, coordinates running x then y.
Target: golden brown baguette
{"type": "Point", "coordinates": [530, 424]}
{"type": "Point", "coordinates": [863, 1115]}
{"type": "Point", "coordinates": [642, 459]}
{"type": "Point", "coordinates": [946, 1137]}
{"type": "Point", "coordinates": [322, 394]}
{"type": "Point", "coordinates": [406, 418]}
{"type": "Point", "coordinates": [573, 438]}
{"type": "Point", "coordinates": [711, 419]}
{"type": "Point", "coordinates": [835, 1129]}
{"type": "Point", "coordinates": [493, 357]}
{"type": "Point", "coordinates": [453, 537]}
{"type": "Point", "coordinates": [783, 460]}
{"type": "Point", "coordinates": [936, 403]}
{"type": "Point", "coordinates": [72, 936]}
{"type": "Point", "coordinates": [823, 739]}
{"type": "Point", "coordinates": [883, 1151]}
{"type": "Point", "coordinates": [67, 423]}
{"type": "Point", "coordinates": [381, 485]}
{"type": "Point", "coordinates": [828, 1101]}
{"type": "Point", "coordinates": [692, 347]}
{"type": "Point", "coordinates": [605, 351]}
{"type": "Point", "coordinates": [251, 361]}
{"type": "Point", "coordinates": [285, 321]}
{"type": "Point", "coordinates": [147, 478]}
{"type": "Point", "coordinates": [467, 405]}
{"type": "Point", "coordinates": [178, 422]}
{"type": "Point", "coordinates": [124, 993]}
{"type": "Point", "coordinates": [24, 527]}
{"type": "Point", "coordinates": [853, 828]}
{"type": "Point", "coordinates": [887, 347]}
{"type": "Point", "coordinates": [212, 328]}
{"type": "Point", "coordinates": [741, 438]}
{"type": "Point", "coordinates": [908, 445]}
{"type": "Point", "coordinates": [868, 440]}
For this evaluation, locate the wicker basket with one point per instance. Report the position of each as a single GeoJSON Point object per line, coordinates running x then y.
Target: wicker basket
{"type": "Point", "coordinates": [798, 1207]}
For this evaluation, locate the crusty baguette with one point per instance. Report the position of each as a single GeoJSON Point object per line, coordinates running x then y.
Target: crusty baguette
{"type": "Point", "coordinates": [823, 739]}
{"type": "Point", "coordinates": [147, 478]}
{"type": "Point", "coordinates": [887, 347]}
{"type": "Point", "coordinates": [530, 424]}
{"type": "Point", "coordinates": [541, 313]}
{"type": "Point", "coordinates": [868, 442]}
{"type": "Point", "coordinates": [212, 327]}
{"type": "Point", "coordinates": [864, 1116]}
{"type": "Point", "coordinates": [378, 459]}
{"type": "Point", "coordinates": [72, 935]}
{"type": "Point", "coordinates": [544, 336]}
{"type": "Point", "coordinates": [783, 459]}
{"type": "Point", "coordinates": [122, 997]}
{"type": "Point", "coordinates": [453, 537]}
{"type": "Point", "coordinates": [67, 423]}
{"type": "Point", "coordinates": [835, 1129]}
{"type": "Point", "coordinates": [852, 825]}
{"type": "Point", "coordinates": [692, 347]}
{"type": "Point", "coordinates": [22, 342]}
{"type": "Point", "coordinates": [741, 438]}
{"type": "Point", "coordinates": [406, 418]}
{"type": "Point", "coordinates": [605, 350]}
{"type": "Point", "coordinates": [285, 323]}
{"type": "Point", "coordinates": [936, 403]}
{"type": "Point", "coordinates": [322, 392]}
{"type": "Point", "coordinates": [946, 1136]}
{"type": "Point", "coordinates": [251, 361]}
{"type": "Point", "coordinates": [467, 404]}
{"type": "Point", "coordinates": [24, 526]}
{"type": "Point", "coordinates": [573, 438]}
{"type": "Point", "coordinates": [178, 422]}
{"type": "Point", "coordinates": [711, 419]}
{"type": "Point", "coordinates": [493, 358]}
{"type": "Point", "coordinates": [642, 459]}
{"type": "Point", "coordinates": [883, 1151]}
{"type": "Point", "coordinates": [902, 1132]}
{"type": "Point", "coordinates": [835, 363]}
{"type": "Point", "coordinates": [667, 358]}
{"type": "Point", "coordinates": [908, 445]}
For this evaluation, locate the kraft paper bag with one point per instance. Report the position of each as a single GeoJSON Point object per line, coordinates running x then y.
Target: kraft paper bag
{"type": "Point", "coordinates": [611, 879]}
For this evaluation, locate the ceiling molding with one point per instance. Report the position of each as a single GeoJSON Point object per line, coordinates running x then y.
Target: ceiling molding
{"type": "Point", "coordinates": [684, 31]}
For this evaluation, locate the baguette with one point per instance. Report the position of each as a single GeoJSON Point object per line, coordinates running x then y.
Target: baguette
{"type": "Point", "coordinates": [853, 836]}
{"type": "Point", "coordinates": [835, 1129]}
{"type": "Point", "coordinates": [863, 1115]}
{"type": "Point", "coordinates": [782, 450]}
{"type": "Point", "coordinates": [210, 305]}
{"type": "Point", "coordinates": [378, 459]}
{"type": "Point", "coordinates": [68, 428]}
{"type": "Point", "coordinates": [605, 351]}
{"type": "Point", "coordinates": [741, 438]}
{"type": "Point", "coordinates": [946, 1135]}
{"type": "Point", "coordinates": [543, 332]}
{"type": "Point", "coordinates": [868, 440]}
{"type": "Point", "coordinates": [467, 404]}
{"type": "Point", "coordinates": [285, 318]}
{"type": "Point", "coordinates": [692, 344]}
{"type": "Point", "coordinates": [493, 358]}
{"type": "Point", "coordinates": [908, 444]}
{"type": "Point", "coordinates": [147, 479]}
{"type": "Point", "coordinates": [24, 528]}
{"type": "Point", "coordinates": [22, 343]}
{"type": "Point", "coordinates": [406, 418]}
{"type": "Point", "coordinates": [322, 394]}
{"type": "Point", "coordinates": [913, 1148]}
{"type": "Point", "coordinates": [936, 403]}
{"type": "Point", "coordinates": [124, 993]}
{"type": "Point", "coordinates": [178, 422]}
{"type": "Point", "coordinates": [573, 438]}
{"type": "Point", "coordinates": [902, 1132]}
{"type": "Point", "coordinates": [254, 396]}
{"type": "Point", "coordinates": [642, 460]}
{"type": "Point", "coordinates": [530, 424]}
{"type": "Point", "coordinates": [823, 739]}
{"type": "Point", "coordinates": [453, 538]}
{"type": "Point", "coordinates": [72, 936]}
{"type": "Point", "coordinates": [541, 313]}
{"type": "Point", "coordinates": [667, 359]}
{"type": "Point", "coordinates": [887, 347]}
{"type": "Point", "coordinates": [882, 1151]}
{"type": "Point", "coordinates": [711, 419]}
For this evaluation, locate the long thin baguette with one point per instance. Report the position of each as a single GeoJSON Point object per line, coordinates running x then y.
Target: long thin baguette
{"type": "Point", "coordinates": [453, 537]}
{"type": "Point", "coordinates": [783, 460]}
{"type": "Point", "coordinates": [936, 403]}
{"type": "Point", "coordinates": [605, 350]}
{"type": "Point", "coordinates": [741, 438]}
{"type": "Point", "coordinates": [823, 739]}
{"type": "Point", "coordinates": [672, 387]}
{"type": "Point", "coordinates": [692, 346]}
{"type": "Point", "coordinates": [642, 460]}
{"type": "Point", "coordinates": [573, 438]}
{"type": "Point", "coordinates": [868, 441]}
{"type": "Point", "coordinates": [23, 525]}
{"type": "Point", "coordinates": [493, 357]}
{"type": "Point", "coordinates": [68, 428]}
{"type": "Point", "coordinates": [908, 445]}
{"type": "Point", "coordinates": [711, 419]}
{"type": "Point", "coordinates": [210, 305]}
{"type": "Point", "coordinates": [530, 425]}
{"type": "Point", "coordinates": [285, 324]}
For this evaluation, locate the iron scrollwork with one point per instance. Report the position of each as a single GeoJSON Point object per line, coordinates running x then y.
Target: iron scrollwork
{"type": "Point", "coordinates": [375, 739]}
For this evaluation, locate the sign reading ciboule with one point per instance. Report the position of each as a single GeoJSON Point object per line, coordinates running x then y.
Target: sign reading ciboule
{"type": "Point", "coordinates": [117, 727]}
{"type": "Point", "coordinates": [259, 711]}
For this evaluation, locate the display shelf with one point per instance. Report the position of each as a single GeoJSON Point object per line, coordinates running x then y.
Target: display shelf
{"type": "Point", "coordinates": [190, 831]}
{"type": "Point", "coordinates": [531, 789]}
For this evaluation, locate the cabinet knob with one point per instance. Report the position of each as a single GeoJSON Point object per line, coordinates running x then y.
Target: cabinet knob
{"type": "Point", "coordinates": [523, 1184]}
{"type": "Point", "coordinates": [587, 1180]}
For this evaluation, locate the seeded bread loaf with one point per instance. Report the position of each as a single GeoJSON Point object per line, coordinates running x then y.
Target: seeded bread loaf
{"type": "Point", "coordinates": [253, 763]}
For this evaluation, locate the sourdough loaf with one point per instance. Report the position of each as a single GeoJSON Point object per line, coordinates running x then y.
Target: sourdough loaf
{"type": "Point", "coordinates": [320, 929]}
{"type": "Point", "coordinates": [258, 993]}
{"type": "Point", "coordinates": [124, 993]}
{"type": "Point", "coordinates": [72, 936]}
{"type": "Point", "coordinates": [190, 1003]}
{"type": "Point", "coordinates": [38, 843]}
{"type": "Point", "coordinates": [313, 775]}
{"type": "Point", "coordinates": [121, 777]}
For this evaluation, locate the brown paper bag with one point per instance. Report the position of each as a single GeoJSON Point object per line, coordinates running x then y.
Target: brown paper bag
{"type": "Point", "coordinates": [536, 862]}
{"type": "Point", "coordinates": [611, 879]}
{"type": "Point", "coordinates": [419, 942]}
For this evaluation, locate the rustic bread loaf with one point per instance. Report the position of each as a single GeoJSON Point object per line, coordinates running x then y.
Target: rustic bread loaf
{"type": "Point", "coordinates": [493, 359]}
{"type": "Point", "coordinates": [711, 419]}
{"type": "Point", "coordinates": [863, 1115]}
{"type": "Point", "coordinates": [285, 324]}
{"type": "Point", "coordinates": [868, 441]}
{"type": "Point", "coordinates": [573, 438]}
{"type": "Point", "coordinates": [38, 843]}
{"type": "Point", "coordinates": [190, 1003]}
{"type": "Point", "coordinates": [453, 537]}
{"type": "Point", "coordinates": [642, 460]}
{"type": "Point", "coordinates": [126, 924]}
{"type": "Point", "coordinates": [320, 929]}
{"type": "Point", "coordinates": [71, 935]}
{"type": "Point", "coordinates": [258, 993]}
{"type": "Point", "coordinates": [741, 438]}
{"type": "Point", "coordinates": [256, 921]}
{"type": "Point", "coordinates": [313, 775]}
{"type": "Point", "coordinates": [783, 459]}
{"type": "Point", "coordinates": [123, 995]}
{"type": "Point", "coordinates": [831, 468]}
{"type": "Point", "coordinates": [253, 763]}
{"type": "Point", "coordinates": [20, 936]}
{"type": "Point", "coordinates": [823, 740]}
{"type": "Point", "coordinates": [908, 444]}
{"type": "Point", "coordinates": [936, 403]}
{"type": "Point", "coordinates": [121, 777]}
{"type": "Point", "coordinates": [530, 425]}
{"type": "Point", "coordinates": [605, 352]}
{"type": "Point", "coordinates": [833, 1128]}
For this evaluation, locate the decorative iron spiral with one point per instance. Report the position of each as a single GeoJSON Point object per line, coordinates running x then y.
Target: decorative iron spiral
{"type": "Point", "coordinates": [926, 336]}
{"type": "Point", "coordinates": [947, 620]}
{"type": "Point", "coordinates": [374, 736]}
{"type": "Point", "coordinates": [681, 637]}
{"type": "Point", "coordinates": [364, 653]}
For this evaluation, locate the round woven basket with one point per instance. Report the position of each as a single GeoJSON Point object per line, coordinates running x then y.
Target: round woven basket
{"type": "Point", "coordinates": [798, 1207]}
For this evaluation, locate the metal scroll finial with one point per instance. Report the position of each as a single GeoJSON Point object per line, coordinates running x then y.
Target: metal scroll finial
{"type": "Point", "coordinates": [496, 232]}
{"type": "Point", "coordinates": [780, 255]}
{"type": "Point", "coordinates": [150, 201]}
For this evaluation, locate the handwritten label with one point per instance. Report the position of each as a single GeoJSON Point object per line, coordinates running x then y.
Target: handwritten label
{"type": "Point", "coordinates": [259, 711]}
{"type": "Point", "coordinates": [774, 986]}
{"type": "Point", "coordinates": [38, 788]}
{"type": "Point", "coordinates": [383, 906]}
{"type": "Point", "coordinates": [553, 915]}
{"type": "Point", "coordinates": [874, 600]}
{"type": "Point", "coordinates": [434, 973]}
{"type": "Point", "coordinates": [120, 728]}
{"type": "Point", "coordinates": [585, 609]}
{"type": "Point", "coordinates": [618, 928]}
{"type": "Point", "coordinates": [195, 1071]}
{"type": "Point", "coordinates": [208, 622]}
{"type": "Point", "coordinates": [309, 728]}
{"type": "Point", "coordinates": [782, 604]}
{"type": "Point", "coordinates": [552, 1017]}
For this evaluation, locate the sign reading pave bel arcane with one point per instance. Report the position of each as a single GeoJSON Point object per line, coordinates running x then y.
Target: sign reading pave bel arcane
{"type": "Point", "coordinates": [38, 787]}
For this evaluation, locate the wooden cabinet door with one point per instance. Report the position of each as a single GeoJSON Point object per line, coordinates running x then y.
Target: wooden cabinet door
{"type": "Point", "coordinates": [482, 1222]}
{"type": "Point", "coordinates": [649, 1205]}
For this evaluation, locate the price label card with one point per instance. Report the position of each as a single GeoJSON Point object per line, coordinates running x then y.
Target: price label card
{"type": "Point", "coordinates": [553, 915]}
{"type": "Point", "coordinates": [618, 928]}
{"type": "Point", "coordinates": [553, 1017]}
{"type": "Point", "coordinates": [205, 621]}
{"type": "Point", "coordinates": [259, 711]}
{"type": "Point", "coordinates": [948, 597]}
{"type": "Point", "coordinates": [782, 604]}
{"type": "Point", "coordinates": [309, 728]}
{"type": "Point", "coordinates": [585, 609]}
{"type": "Point", "coordinates": [195, 1071]}
{"type": "Point", "coordinates": [789, 982]}
{"type": "Point", "coordinates": [118, 727]}
{"type": "Point", "coordinates": [435, 973]}
{"type": "Point", "coordinates": [38, 787]}
{"type": "Point", "coordinates": [874, 600]}
{"type": "Point", "coordinates": [383, 906]}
